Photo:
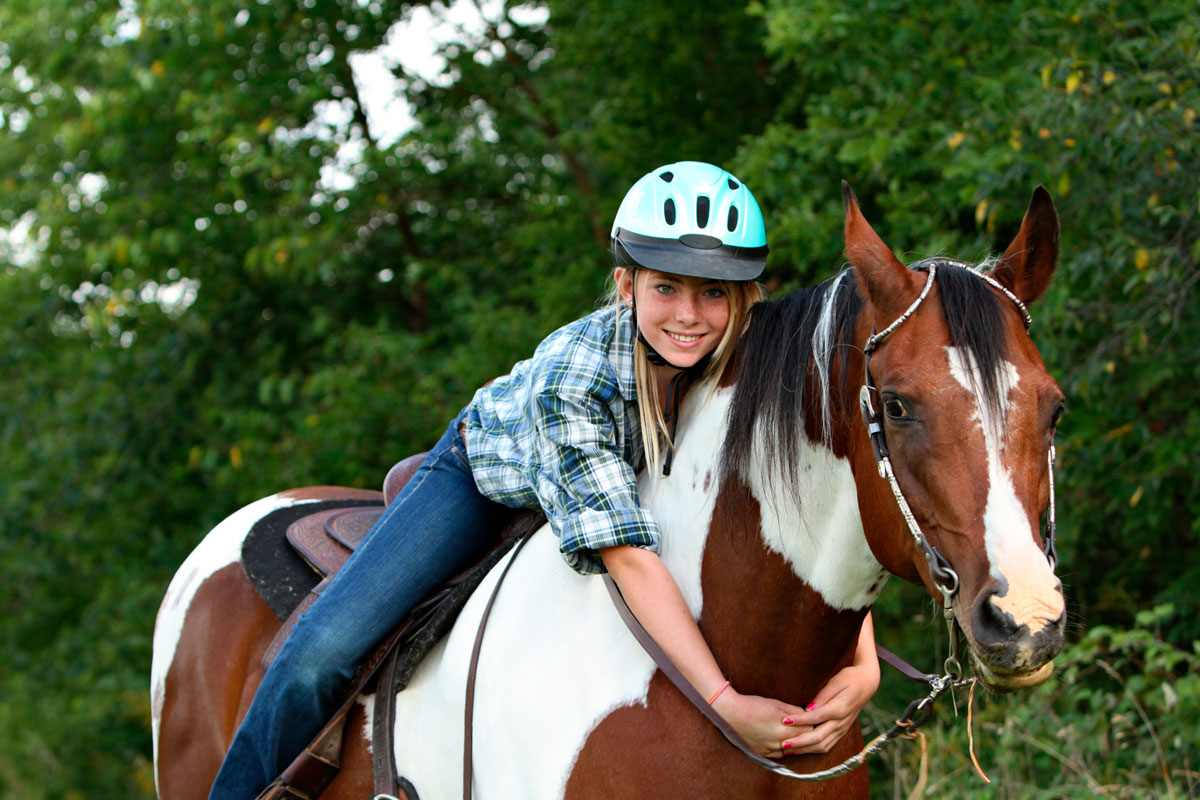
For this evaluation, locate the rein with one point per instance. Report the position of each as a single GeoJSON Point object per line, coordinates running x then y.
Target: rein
{"type": "Point", "coordinates": [916, 715]}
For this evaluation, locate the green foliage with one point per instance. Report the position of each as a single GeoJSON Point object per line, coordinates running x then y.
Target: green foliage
{"type": "Point", "coordinates": [1117, 720]}
{"type": "Point", "coordinates": [227, 285]}
{"type": "Point", "coordinates": [943, 118]}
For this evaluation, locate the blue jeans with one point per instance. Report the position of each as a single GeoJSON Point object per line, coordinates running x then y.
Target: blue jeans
{"type": "Point", "coordinates": [438, 525]}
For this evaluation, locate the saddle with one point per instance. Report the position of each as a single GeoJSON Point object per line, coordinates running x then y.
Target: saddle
{"type": "Point", "coordinates": [291, 556]}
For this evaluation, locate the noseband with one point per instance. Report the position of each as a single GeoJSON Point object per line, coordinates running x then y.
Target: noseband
{"type": "Point", "coordinates": [943, 574]}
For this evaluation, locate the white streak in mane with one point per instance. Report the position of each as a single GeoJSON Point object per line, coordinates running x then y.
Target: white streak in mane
{"type": "Point", "coordinates": [822, 353]}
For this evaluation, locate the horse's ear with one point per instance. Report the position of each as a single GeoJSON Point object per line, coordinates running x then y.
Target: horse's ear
{"type": "Point", "coordinates": [887, 284]}
{"type": "Point", "coordinates": [1028, 264]}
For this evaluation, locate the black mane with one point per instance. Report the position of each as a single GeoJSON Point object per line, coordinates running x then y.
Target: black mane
{"type": "Point", "coordinates": [798, 337]}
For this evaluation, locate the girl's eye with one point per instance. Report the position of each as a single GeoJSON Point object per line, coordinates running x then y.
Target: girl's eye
{"type": "Point", "coordinates": [664, 288]}
{"type": "Point", "coordinates": [714, 293]}
{"type": "Point", "coordinates": [894, 408]}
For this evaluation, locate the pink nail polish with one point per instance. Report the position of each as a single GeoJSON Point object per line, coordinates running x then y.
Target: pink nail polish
{"type": "Point", "coordinates": [787, 745]}
{"type": "Point", "coordinates": [810, 706]}
{"type": "Point", "coordinates": [787, 720]}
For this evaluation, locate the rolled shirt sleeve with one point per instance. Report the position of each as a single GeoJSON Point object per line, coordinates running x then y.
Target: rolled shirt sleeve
{"type": "Point", "coordinates": [585, 486]}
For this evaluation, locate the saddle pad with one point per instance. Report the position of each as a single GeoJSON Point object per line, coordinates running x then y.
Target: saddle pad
{"type": "Point", "coordinates": [280, 576]}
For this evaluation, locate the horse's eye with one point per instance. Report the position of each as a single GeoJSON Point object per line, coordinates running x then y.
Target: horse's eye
{"type": "Point", "coordinates": [1059, 410]}
{"type": "Point", "coordinates": [894, 408]}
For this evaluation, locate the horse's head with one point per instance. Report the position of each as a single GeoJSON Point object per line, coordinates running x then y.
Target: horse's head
{"type": "Point", "coordinates": [967, 414]}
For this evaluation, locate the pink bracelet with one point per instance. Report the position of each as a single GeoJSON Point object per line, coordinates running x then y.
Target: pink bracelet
{"type": "Point", "coordinates": [718, 692]}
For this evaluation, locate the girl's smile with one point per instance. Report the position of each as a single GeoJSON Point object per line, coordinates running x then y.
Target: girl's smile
{"type": "Point", "coordinates": [682, 317]}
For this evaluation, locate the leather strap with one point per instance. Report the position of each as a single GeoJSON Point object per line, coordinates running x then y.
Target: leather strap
{"type": "Point", "coordinates": [903, 667]}
{"type": "Point", "coordinates": [387, 781]}
{"type": "Point", "coordinates": [470, 700]}
{"type": "Point", "coordinates": [907, 723]}
{"type": "Point", "coordinates": [318, 764]}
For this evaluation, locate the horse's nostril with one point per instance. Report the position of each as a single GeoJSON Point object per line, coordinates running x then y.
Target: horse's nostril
{"type": "Point", "coordinates": [992, 625]}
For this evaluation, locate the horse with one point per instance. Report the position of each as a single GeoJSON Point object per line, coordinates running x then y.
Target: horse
{"type": "Point", "coordinates": [776, 524]}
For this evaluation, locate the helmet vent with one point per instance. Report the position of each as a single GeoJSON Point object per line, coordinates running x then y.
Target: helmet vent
{"type": "Point", "coordinates": [701, 211]}
{"type": "Point", "coordinates": [732, 219]}
{"type": "Point", "coordinates": [733, 184]}
{"type": "Point", "coordinates": [669, 211]}
{"type": "Point", "coordinates": [667, 176]}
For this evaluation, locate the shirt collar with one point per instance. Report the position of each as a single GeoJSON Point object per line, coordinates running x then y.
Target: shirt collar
{"type": "Point", "coordinates": [620, 354]}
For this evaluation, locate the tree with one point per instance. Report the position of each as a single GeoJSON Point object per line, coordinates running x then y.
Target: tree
{"type": "Point", "coordinates": [231, 288]}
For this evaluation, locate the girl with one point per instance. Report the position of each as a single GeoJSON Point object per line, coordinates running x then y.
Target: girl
{"type": "Point", "coordinates": [567, 431]}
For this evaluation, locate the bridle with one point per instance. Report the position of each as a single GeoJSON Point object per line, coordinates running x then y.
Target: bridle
{"type": "Point", "coordinates": [940, 571]}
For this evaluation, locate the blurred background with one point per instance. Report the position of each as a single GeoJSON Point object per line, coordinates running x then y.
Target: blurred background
{"type": "Point", "coordinates": [246, 246]}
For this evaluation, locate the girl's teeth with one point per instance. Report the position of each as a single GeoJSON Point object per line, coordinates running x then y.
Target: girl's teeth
{"type": "Point", "coordinates": [679, 338]}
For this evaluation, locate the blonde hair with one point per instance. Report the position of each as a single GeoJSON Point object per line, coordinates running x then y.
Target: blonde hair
{"type": "Point", "coordinates": [655, 430]}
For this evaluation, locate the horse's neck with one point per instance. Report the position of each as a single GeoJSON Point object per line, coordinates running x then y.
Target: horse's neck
{"type": "Point", "coordinates": [779, 573]}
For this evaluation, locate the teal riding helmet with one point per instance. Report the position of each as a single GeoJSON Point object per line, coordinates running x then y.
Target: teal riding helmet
{"type": "Point", "coordinates": [691, 218]}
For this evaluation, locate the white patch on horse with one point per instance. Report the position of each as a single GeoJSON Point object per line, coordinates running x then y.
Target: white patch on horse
{"type": "Point", "coordinates": [1032, 597]}
{"type": "Point", "coordinates": [556, 657]}
{"type": "Point", "coordinates": [367, 701]}
{"type": "Point", "coordinates": [816, 526]}
{"type": "Point", "coordinates": [220, 548]}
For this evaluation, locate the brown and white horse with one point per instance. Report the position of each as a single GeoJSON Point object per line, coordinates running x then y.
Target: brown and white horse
{"type": "Point", "coordinates": [776, 525]}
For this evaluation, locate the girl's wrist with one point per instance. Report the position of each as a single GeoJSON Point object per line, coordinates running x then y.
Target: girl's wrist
{"type": "Point", "coordinates": [725, 700]}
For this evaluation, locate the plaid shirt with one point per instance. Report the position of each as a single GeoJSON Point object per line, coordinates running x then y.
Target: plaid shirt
{"type": "Point", "coordinates": [561, 431]}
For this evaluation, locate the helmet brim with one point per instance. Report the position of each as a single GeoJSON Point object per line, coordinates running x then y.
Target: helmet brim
{"type": "Point", "coordinates": [726, 262]}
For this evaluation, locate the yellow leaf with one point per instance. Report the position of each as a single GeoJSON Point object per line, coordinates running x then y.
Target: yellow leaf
{"type": "Point", "coordinates": [1189, 115]}
{"type": "Point", "coordinates": [194, 455]}
{"type": "Point", "coordinates": [281, 256]}
{"type": "Point", "coordinates": [1064, 183]}
{"type": "Point", "coordinates": [1015, 140]}
{"type": "Point", "coordinates": [1073, 82]}
{"type": "Point", "coordinates": [1043, 133]}
{"type": "Point", "coordinates": [1109, 76]}
{"type": "Point", "coordinates": [1165, 87]}
{"type": "Point", "coordinates": [235, 456]}
{"type": "Point", "coordinates": [1069, 142]}
{"type": "Point", "coordinates": [1141, 259]}
{"type": "Point", "coordinates": [1137, 497]}
{"type": "Point", "coordinates": [981, 212]}
{"type": "Point", "coordinates": [265, 125]}
{"type": "Point", "coordinates": [1117, 433]}
{"type": "Point", "coordinates": [955, 139]}
{"type": "Point", "coordinates": [157, 68]}
{"type": "Point", "coordinates": [312, 420]}
{"type": "Point", "coordinates": [1110, 367]}
{"type": "Point", "coordinates": [1046, 76]}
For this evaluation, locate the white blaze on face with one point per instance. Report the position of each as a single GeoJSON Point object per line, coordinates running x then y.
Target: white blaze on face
{"type": "Point", "coordinates": [1033, 598]}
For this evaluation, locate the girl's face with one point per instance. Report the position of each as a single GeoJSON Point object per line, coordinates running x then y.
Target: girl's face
{"type": "Point", "coordinates": [683, 317]}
